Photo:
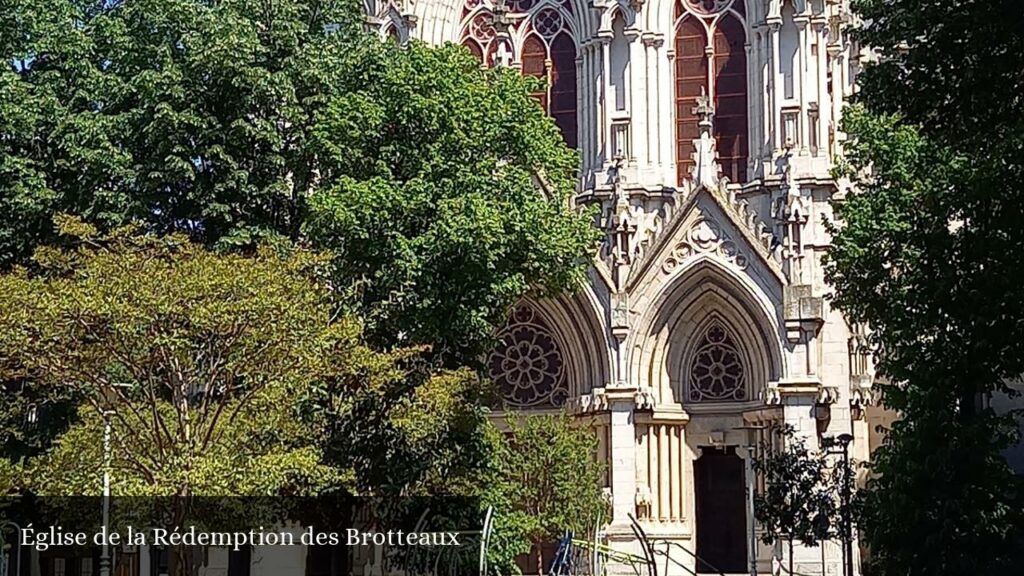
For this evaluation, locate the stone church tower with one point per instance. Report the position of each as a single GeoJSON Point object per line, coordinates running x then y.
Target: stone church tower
{"type": "Point", "coordinates": [706, 130]}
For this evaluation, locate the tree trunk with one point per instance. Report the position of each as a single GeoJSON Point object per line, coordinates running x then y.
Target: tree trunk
{"type": "Point", "coordinates": [540, 557]}
{"type": "Point", "coordinates": [790, 556]}
{"type": "Point", "coordinates": [182, 556]}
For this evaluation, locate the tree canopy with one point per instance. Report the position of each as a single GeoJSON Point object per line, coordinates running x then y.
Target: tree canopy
{"type": "Point", "coordinates": [222, 374]}
{"type": "Point", "coordinates": [442, 189]}
{"type": "Point", "coordinates": [546, 480]}
{"type": "Point", "coordinates": [927, 252]}
{"type": "Point", "coordinates": [201, 360]}
{"type": "Point", "coordinates": [286, 245]}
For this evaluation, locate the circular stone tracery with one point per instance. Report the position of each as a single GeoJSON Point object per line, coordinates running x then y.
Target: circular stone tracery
{"type": "Point", "coordinates": [526, 364]}
{"type": "Point", "coordinates": [708, 7]}
{"type": "Point", "coordinates": [482, 29]}
{"type": "Point", "coordinates": [548, 22]}
{"type": "Point", "coordinates": [716, 371]}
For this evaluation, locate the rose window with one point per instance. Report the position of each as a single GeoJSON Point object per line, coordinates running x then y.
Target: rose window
{"type": "Point", "coordinates": [526, 364]}
{"type": "Point", "coordinates": [716, 371]}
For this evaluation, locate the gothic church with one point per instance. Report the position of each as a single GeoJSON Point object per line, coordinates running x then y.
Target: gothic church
{"type": "Point", "coordinates": [706, 131]}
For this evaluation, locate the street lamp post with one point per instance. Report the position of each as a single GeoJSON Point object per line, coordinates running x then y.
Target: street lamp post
{"type": "Point", "coordinates": [109, 398]}
{"type": "Point", "coordinates": [844, 441]}
{"type": "Point", "coordinates": [4, 564]}
{"type": "Point", "coordinates": [105, 546]}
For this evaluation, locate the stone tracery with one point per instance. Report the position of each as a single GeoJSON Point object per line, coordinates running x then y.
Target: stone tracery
{"type": "Point", "coordinates": [705, 236]}
{"type": "Point", "coordinates": [708, 6]}
{"type": "Point", "coordinates": [536, 36]}
{"type": "Point", "coordinates": [716, 370]}
{"type": "Point", "coordinates": [527, 365]}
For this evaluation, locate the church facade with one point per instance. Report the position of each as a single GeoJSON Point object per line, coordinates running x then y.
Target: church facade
{"type": "Point", "coordinates": [706, 131]}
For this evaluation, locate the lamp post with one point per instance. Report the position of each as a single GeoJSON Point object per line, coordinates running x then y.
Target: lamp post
{"type": "Point", "coordinates": [843, 441]}
{"type": "Point", "coordinates": [751, 481]}
{"type": "Point", "coordinates": [109, 398]}
{"type": "Point", "coordinates": [4, 564]}
{"type": "Point", "coordinates": [105, 546]}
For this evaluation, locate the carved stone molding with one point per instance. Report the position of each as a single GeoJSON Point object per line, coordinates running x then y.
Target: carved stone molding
{"type": "Point", "coordinates": [862, 393]}
{"type": "Point", "coordinates": [705, 236]}
{"type": "Point", "coordinates": [775, 392]}
{"type": "Point", "coordinates": [595, 401]}
{"type": "Point", "coordinates": [600, 400]}
{"type": "Point", "coordinates": [828, 395]}
{"type": "Point", "coordinates": [644, 399]}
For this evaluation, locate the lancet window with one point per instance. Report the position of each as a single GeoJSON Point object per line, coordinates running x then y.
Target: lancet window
{"type": "Point", "coordinates": [710, 57]}
{"type": "Point", "coordinates": [535, 36]}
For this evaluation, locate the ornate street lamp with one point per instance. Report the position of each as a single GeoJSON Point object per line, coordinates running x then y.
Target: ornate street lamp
{"type": "Point", "coordinates": [4, 564]}
{"type": "Point", "coordinates": [843, 442]}
{"type": "Point", "coordinates": [110, 397]}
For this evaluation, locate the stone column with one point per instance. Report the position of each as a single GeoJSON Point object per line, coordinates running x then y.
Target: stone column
{"type": "Point", "coordinates": [800, 79]}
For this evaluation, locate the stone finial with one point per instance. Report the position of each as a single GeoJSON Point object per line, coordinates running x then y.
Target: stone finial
{"type": "Point", "coordinates": [704, 111]}
{"type": "Point", "coordinates": [499, 17]}
{"type": "Point", "coordinates": [706, 172]}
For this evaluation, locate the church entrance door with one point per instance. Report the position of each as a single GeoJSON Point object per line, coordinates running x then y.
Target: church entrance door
{"type": "Point", "coordinates": [721, 512]}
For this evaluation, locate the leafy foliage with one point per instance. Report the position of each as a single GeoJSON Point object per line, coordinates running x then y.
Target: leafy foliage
{"type": "Point", "coordinates": [201, 360]}
{"type": "Point", "coordinates": [224, 374]}
{"type": "Point", "coordinates": [237, 122]}
{"type": "Point", "coordinates": [408, 430]}
{"type": "Point", "coordinates": [226, 135]}
{"type": "Point", "coordinates": [928, 254]}
{"type": "Point", "coordinates": [546, 481]}
{"type": "Point", "coordinates": [799, 502]}
{"type": "Point", "coordinates": [444, 219]}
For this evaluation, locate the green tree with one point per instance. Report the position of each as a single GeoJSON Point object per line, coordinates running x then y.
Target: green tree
{"type": "Point", "coordinates": [220, 372]}
{"type": "Point", "coordinates": [928, 252]}
{"type": "Point", "coordinates": [441, 189]}
{"type": "Point", "coordinates": [798, 502]}
{"type": "Point", "coordinates": [200, 360]}
{"type": "Point", "coordinates": [408, 430]}
{"type": "Point", "coordinates": [546, 480]}
{"type": "Point", "coordinates": [221, 375]}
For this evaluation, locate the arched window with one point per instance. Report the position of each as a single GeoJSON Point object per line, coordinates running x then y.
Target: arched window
{"type": "Point", "coordinates": [717, 370]}
{"type": "Point", "coordinates": [527, 363]}
{"type": "Point", "coordinates": [540, 41]}
{"type": "Point", "coordinates": [726, 82]}
{"type": "Point", "coordinates": [691, 80]}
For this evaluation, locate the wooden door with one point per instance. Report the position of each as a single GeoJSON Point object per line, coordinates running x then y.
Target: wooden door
{"type": "Point", "coordinates": [721, 512]}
